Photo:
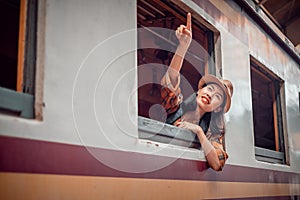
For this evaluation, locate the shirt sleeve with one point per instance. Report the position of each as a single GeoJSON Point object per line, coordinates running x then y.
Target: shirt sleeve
{"type": "Point", "coordinates": [219, 147]}
{"type": "Point", "coordinates": [171, 95]}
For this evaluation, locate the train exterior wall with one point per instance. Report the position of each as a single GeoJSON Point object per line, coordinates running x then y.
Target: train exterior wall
{"type": "Point", "coordinates": [89, 73]}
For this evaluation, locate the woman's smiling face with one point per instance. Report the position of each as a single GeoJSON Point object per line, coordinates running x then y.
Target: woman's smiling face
{"type": "Point", "coordinates": [210, 98]}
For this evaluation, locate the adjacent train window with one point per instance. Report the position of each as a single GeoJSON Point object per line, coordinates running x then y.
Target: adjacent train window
{"type": "Point", "coordinates": [267, 114]}
{"type": "Point", "coordinates": [157, 22]}
{"type": "Point", "coordinates": [17, 57]}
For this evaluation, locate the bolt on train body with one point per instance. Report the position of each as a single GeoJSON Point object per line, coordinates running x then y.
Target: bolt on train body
{"type": "Point", "coordinates": [80, 113]}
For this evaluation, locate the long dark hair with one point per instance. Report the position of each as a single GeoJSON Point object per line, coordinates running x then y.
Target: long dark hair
{"type": "Point", "coordinates": [217, 124]}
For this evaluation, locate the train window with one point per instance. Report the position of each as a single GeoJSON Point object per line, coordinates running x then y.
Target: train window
{"type": "Point", "coordinates": [17, 57]}
{"type": "Point", "coordinates": [267, 114]}
{"type": "Point", "coordinates": [157, 22]}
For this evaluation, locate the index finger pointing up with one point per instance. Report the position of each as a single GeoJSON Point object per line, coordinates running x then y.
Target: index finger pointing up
{"type": "Point", "coordinates": [189, 21]}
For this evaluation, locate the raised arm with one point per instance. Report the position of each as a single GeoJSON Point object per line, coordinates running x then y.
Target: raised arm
{"type": "Point", "coordinates": [184, 35]}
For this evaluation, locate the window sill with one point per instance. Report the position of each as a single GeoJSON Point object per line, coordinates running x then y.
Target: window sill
{"type": "Point", "coordinates": [20, 104]}
{"type": "Point", "coordinates": [269, 156]}
{"type": "Point", "coordinates": [161, 132]}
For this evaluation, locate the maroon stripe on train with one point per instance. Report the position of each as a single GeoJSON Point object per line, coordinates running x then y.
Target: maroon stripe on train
{"type": "Point", "coordinates": [34, 156]}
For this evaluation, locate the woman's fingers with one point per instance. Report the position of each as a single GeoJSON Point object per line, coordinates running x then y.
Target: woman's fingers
{"type": "Point", "coordinates": [190, 126]}
{"type": "Point", "coordinates": [182, 124]}
{"type": "Point", "coordinates": [182, 31]}
{"type": "Point", "coordinates": [189, 22]}
{"type": "Point", "coordinates": [177, 33]}
{"type": "Point", "coordinates": [186, 31]}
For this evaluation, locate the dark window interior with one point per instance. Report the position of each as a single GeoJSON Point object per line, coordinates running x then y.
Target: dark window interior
{"type": "Point", "coordinates": [153, 62]}
{"type": "Point", "coordinates": [18, 21]}
{"type": "Point", "coordinates": [9, 22]}
{"type": "Point", "coordinates": [266, 115]}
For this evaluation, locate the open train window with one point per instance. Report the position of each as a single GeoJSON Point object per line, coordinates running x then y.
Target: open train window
{"type": "Point", "coordinates": [157, 22]}
{"type": "Point", "coordinates": [17, 57]}
{"type": "Point", "coordinates": [267, 114]}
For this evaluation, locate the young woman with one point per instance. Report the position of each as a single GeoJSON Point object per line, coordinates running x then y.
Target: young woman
{"type": "Point", "coordinates": [203, 112]}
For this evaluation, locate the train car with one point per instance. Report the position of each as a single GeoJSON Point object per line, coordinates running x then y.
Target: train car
{"type": "Point", "coordinates": [80, 112]}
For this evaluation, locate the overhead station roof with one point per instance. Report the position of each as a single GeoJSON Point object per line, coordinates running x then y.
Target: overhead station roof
{"type": "Point", "coordinates": [285, 14]}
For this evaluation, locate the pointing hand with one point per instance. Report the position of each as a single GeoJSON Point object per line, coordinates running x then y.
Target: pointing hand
{"type": "Point", "coordinates": [184, 33]}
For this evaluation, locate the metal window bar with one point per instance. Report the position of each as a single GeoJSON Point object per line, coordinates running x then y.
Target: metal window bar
{"type": "Point", "coordinates": [30, 48]}
{"type": "Point", "coordinates": [279, 120]}
{"type": "Point", "coordinates": [211, 53]}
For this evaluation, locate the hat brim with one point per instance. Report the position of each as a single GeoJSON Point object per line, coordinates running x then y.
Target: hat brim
{"type": "Point", "coordinates": [207, 79]}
